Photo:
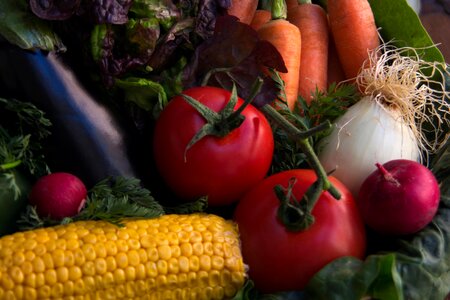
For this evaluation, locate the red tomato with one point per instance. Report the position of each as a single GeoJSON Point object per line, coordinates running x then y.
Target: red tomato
{"type": "Point", "coordinates": [281, 260]}
{"type": "Point", "coordinates": [223, 168]}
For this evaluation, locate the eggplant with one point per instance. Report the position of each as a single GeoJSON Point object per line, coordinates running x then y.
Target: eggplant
{"type": "Point", "coordinates": [89, 139]}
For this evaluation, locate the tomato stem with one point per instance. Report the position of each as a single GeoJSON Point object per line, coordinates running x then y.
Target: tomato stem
{"type": "Point", "coordinates": [295, 215]}
{"type": "Point", "coordinates": [221, 123]}
{"type": "Point", "coordinates": [302, 137]}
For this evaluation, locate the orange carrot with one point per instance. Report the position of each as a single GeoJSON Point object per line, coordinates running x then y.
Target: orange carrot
{"type": "Point", "coordinates": [335, 71]}
{"type": "Point", "coordinates": [312, 22]}
{"type": "Point", "coordinates": [355, 33]}
{"type": "Point", "coordinates": [286, 39]}
{"type": "Point", "coordinates": [261, 17]}
{"type": "Point", "coordinates": [243, 9]}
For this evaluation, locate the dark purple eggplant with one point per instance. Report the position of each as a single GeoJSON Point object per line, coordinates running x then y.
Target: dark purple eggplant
{"type": "Point", "coordinates": [89, 139]}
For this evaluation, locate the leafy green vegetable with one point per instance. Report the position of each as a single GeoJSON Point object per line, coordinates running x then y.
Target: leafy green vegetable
{"type": "Point", "coordinates": [164, 11]}
{"type": "Point", "coordinates": [248, 292]}
{"type": "Point", "coordinates": [20, 27]}
{"type": "Point", "coordinates": [111, 199]}
{"type": "Point", "coordinates": [324, 106]}
{"type": "Point", "coordinates": [418, 267]}
{"type": "Point", "coordinates": [23, 129]}
{"type": "Point", "coordinates": [349, 278]}
{"type": "Point", "coordinates": [143, 92]}
{"type": "Point", "coordinates": [14, 187]}
{"type": "Point", "coordinates": [400, 24]}
{"type": "Point", "coordinates": [200, 205]}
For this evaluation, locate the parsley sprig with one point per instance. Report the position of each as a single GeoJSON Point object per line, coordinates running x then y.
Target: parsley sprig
{"type": "Point", "coordinates": [111, 199]}
{"type": "Point", "coordinates": [22, 130]}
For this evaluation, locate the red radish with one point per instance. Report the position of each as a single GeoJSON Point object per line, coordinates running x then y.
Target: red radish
{"type": "Point", "coordinates": [400, 197]}
{"type": "Point", "coordinates": [58, 195]}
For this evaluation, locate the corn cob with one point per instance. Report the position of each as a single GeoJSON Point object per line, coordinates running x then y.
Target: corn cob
{"type": "Point", "coordinates": [193, 256]}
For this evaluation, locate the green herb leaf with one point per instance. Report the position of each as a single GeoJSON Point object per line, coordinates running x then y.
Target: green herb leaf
{"type": "Point", "coordinates": [21, 27]}
{"type": "Point", "coordinates": [200, 205]}
{"type": "Point", "coordinates": [400, 24]}
{"type": "Point", "coordinates": [324, 106]}
{"type": "Point", "coordinates": [111, 200]}
{"type": "Point", "coordinates": [21, 136]}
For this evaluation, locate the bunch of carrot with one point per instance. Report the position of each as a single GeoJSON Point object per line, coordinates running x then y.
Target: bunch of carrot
{"type": "Point", "coordinates": [318, 46]}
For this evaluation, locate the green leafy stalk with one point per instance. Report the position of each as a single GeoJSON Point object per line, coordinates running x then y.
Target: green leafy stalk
{"type": "Point", "coordinates": [302, 138]}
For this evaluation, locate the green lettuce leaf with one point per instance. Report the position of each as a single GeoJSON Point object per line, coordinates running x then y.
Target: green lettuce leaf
{"type": "Point", "coordinates": [19, 26]}
{"type": "Point", "coordinates": [166, 12]}
{"type": "Point", "coordinates": [143, 92]}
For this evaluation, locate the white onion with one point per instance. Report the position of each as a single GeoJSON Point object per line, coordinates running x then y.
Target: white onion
{"type": "Point", "coordinates": [366, 134]}
{"type": "Point", "coordinates": [389, 121]}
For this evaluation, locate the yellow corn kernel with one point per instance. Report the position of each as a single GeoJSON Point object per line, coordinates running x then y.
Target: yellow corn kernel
{"type": "Point", "coordinates": [182, 257]}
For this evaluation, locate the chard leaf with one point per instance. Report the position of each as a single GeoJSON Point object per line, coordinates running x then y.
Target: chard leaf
{"type": "Point", "coordinates": [422, 264]}
{"type": "Point", "coordinates": [440, 168]}
{"type": "Point", "coordinates": [352, 279]}
{"type": "Point", "coordinates": [20, 27]}
{"type": "Point", "coordinates": [400, 24]}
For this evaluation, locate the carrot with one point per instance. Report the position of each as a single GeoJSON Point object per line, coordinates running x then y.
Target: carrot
{"type": "Point", "coordinates": [335, 71]}
{"type": "Point", "coordinates": [261, 17]}
{"type": "Point", "coordinates": [243, 9]}
{"type": "Point", "coordinates": [354, 31]}
{"type": "Point", "coordinates": [311, 19]}
{"type": "Point", "coordinates": [286, 39]}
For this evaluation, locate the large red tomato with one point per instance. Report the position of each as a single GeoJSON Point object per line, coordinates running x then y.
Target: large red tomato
{"type": "Point", "coordinates": [282, 260]}
{"type": "Point", "coordinates": [222, 168]}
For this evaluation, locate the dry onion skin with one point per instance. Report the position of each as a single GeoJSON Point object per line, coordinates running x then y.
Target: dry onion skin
{"type": "Point", "coordinates": [402, 115]}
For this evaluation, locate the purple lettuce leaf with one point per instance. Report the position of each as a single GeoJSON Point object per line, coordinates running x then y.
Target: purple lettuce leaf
{"type": "Point", "coordinates": [235, 55]}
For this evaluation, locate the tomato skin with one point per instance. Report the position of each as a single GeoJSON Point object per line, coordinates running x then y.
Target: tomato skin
{"type": "Point", "coordinates": [280, 260]}
{"type": "Point", "coordinates": [222, 168]}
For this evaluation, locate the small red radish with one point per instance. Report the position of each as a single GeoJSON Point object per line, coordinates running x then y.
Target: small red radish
{"type": "Point", "coordinates": [58, 195]}
{"type": "Point", "coordinates": [401, 197]}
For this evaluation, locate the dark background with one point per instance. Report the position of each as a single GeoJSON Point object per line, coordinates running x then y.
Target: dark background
{"type": "Point", "coordinates": [435, 16]}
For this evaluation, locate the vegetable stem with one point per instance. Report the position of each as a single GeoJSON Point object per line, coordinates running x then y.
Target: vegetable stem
{"type": "Point", "coordinates": [323, 184]}
{"type": "Point", "coordinates": [223, 122]}
{"type": "Point", "coordinates": [295, 215]}
{"type": "Point", "coordinates": [387, 175]}
{"type": "Point", "coordinates": [211, 72]}
{"type": "Point", "coordinates": [256, 88]}
{"type": "Point", "coordinates": [279, 10]}
{"type": "Point", "coordinates": [10, 165]}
